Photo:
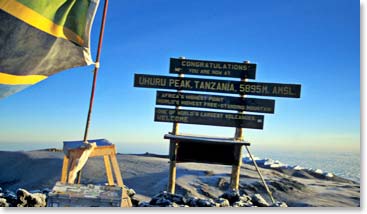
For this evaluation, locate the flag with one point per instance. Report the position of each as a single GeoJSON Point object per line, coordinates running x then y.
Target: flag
{"type": "Point", "coordinates": [39, 38]}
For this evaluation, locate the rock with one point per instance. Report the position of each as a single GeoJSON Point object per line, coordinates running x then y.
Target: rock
{"type": "Point", "coordinates": [156, 197]}
{"type": "Point", "coordinates": [10, 198]}
{"type": "Point", "coordinates": [162, 202]}
{"type": "Point", "coordinates": [318, 171]}
{"type": "Point", "coordinates": [279, 204]}
{"type": "Point", "coordinates": [328, 174]}
{"type": "Point", "coordinates": [144, 204]}
{"type": "Point", "coordinates": [258, 200]}
{"type": "Point", "coordinates": [232, 196]}
{"type": "Point", "coordinates": [243, 204]}
{"type": "Point", "coordinates": [179, 199]}
{"type": "Point", "coordinates": [174, 205]}
{"type": "Point", "coordinates": [245, 198]}
{"type": "Point", "coordinates": [3, 202]}
{"type": "Point", "coordinates": [130, 192]}
{"type": "Point", "coordinates": [191, 201]}
{"type": "Point", "coordinates": [27, 199]}
{"type": "Point", "coordinates": [134, 201]}
{"type": "Point", "coordinates": [205, 203]}
{"type": "Point", "coordinates": [222, 202]}
{"type": "Point", "coordinates": [173, 198]}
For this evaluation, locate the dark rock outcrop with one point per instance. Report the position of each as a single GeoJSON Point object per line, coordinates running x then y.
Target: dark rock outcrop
{"type": "Point", "coordinates": [228, 199]}
{"type": "Point", "coordinates": [26, 199]}
{"type": "Point", "coordinates": [232, 198]}
{"type": "Point", "coordinates": [3, 202]}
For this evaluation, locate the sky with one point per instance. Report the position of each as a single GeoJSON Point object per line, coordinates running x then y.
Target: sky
{"type": "Point", "coordinates": [310, 42]}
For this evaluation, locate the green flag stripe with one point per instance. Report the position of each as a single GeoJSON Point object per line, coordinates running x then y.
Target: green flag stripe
{"type": "Point", "coordinates": [69, 13]}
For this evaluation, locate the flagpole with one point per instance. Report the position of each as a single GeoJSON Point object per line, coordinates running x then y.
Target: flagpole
{"type": "Point", "coordinates": [96, 68]}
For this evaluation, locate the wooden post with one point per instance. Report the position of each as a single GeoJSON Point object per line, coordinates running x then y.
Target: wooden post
{"type": "Point", "coordinates": [172, 167]}
{"type": "Point", "coordinates": [173, 153]}
{"type": "Point", "coordinates": [116, 170]}
{"type": "Point", "coordinates": [236, 169]}
{"type": "Point", "coordinates": [65, 169]}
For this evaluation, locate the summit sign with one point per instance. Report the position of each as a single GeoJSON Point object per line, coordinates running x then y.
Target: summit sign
{"type": "Point", "coordinates": [206, 149]}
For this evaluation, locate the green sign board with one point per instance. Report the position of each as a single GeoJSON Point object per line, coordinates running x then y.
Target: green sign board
{"type": "Point", "coordinates": [215, 102]}
{"type": "Point", "coordinates": [212, 68]}
{"type": "Point", "coordinates": [221, 86]}
{"type": "Point", "coordinates": [209, 118]}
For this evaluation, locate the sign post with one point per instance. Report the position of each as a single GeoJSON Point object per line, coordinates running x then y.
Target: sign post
{"type": "Point", "coordinates": [236, 169]}
{"type": "Point", "coordinates": [171, 188]}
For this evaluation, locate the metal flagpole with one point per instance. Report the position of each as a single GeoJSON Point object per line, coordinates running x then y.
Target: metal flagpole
{"type": "Point", "coordinates": [95, 72]}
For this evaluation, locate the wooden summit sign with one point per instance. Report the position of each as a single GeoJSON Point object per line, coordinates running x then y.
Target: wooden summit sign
{"type": "Point", "coordinates": [212, 150]}
{"type": "Point", "coordinates": [212, 68]}
{"type": "Point", "coordinates": [221, 86]}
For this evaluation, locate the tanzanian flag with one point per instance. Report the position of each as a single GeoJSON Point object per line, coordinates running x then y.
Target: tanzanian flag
{"type": "Point", "coordinates": [39, 38]}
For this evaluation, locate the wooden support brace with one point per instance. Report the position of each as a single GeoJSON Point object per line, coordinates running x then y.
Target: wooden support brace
{"type": "Point", "coordinates": [116, 170]}
{"type": "Point", "coordinates": [108, 170]}
{"type": "Point", "coordinates": [65, 168]}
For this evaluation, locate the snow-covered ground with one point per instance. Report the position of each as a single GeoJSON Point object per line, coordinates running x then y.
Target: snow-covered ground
{"type": "Point", "coordinates": [148, 175]}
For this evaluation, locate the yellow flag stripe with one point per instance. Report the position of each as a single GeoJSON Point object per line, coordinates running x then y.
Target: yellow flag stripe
{"type": "Point", "coordinates": [38, 21]}
{"type": "Point", "coordinates": [9, 79]}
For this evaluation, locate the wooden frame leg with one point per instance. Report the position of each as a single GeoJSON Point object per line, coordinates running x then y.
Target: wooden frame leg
{"type": "Point", "coordinates": [116, 170]}
{"type": "Point", "coordinates": [64, 171]}
{"type": "Point", "coordinates": [236, 169]}
{"type": "Point", "coordinates": [235, 177]}
{"type": "Point", "coordinates": [108, 170]}
{"type": "Point", "coordinates": [172, 177]}
{"type": "Point", "coordinates": [171, 188]}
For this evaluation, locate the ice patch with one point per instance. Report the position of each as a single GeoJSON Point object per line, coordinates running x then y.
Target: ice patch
{"type": "Point", "coordinates": [297, 167]}
{"type": "Point", "coordinates": [318, 171]}
{"type": "Point", "coordinates": [329, 174]}
{"type": "Point", "coordinates": [275, 164]}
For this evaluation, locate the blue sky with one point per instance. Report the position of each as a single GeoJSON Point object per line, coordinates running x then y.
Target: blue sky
{"type": "Point", "coordinates": [313, 43]}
